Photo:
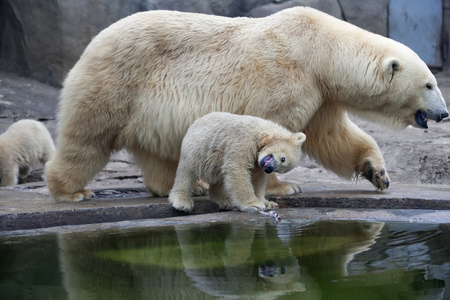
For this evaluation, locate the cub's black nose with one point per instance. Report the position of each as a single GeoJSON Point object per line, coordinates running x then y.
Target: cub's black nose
{"type": "Point", "coordinates": [444, 115]}
{"type": "Point", "coordinates": [268, 169]}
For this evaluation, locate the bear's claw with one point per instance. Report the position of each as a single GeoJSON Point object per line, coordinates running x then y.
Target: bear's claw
{"type": "Point", "coordinates": [378, 177]}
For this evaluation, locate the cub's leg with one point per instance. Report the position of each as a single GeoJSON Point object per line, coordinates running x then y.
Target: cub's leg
{"type": "Point", "coordinates": [218, 195]}
{"type": "Point", "coordinates": [72, 167]}
{"type": "Point", "coordinates": [180, 195]}
{"type": "Point", "coordinates": [342, 147]}
{"type": "Point", "coordinates": [259, 180]}
{"type": "Point", "coordinates": [238, 184]}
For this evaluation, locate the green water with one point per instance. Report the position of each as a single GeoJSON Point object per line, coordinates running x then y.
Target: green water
{"type": "Point", "coordinates": [254, 260]}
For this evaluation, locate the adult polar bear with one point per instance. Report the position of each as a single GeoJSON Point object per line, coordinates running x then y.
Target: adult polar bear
{"type": "Point", "coordinates": [142, 81]}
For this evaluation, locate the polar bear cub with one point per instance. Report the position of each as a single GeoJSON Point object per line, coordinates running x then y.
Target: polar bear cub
{"type": "Point", "coordinates": [234, 154]}
{"type": "Point", "coordinates": [22, 145]}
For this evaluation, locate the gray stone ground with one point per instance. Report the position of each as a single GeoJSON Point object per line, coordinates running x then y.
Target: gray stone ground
{"type": "Point", "coordinates": [418, 162]}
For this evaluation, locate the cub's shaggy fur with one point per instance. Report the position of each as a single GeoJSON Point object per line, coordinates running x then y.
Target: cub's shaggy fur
{"type": "Point", "coordinates": [233, 154]}
{"type": "Point", "coordinates": [22, 145]}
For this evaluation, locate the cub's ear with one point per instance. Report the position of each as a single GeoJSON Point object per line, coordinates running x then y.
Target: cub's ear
{"type": "Point", "coordinates": [391, 66]}
{"type": "Point", "coordinates": [299, 138]}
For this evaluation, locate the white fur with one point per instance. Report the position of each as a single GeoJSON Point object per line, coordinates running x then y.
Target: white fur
{"type": "Point", "coordinates": [144, 80]}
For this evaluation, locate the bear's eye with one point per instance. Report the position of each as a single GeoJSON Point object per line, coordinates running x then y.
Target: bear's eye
{"type": "Point", "coordinates": [283, 159]}
{"type": "Point", "coordinates": [429, 86]}
{"type": "Point", "coordinates": [395, 66]}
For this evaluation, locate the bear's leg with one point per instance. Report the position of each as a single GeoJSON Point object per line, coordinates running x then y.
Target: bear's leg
{"type": "Point", "coordinates": [180, 195]}
{"type": "Point", "coordinates": [259, 180]}
{"type": "Point", "coordinates": [342, 147]}
{"type": "Point", "coordinates": [159, 173]}
{"type": "Point", "coordinates": [24, 171]}
{"type": "Point", "coordinates": [238, 184]}
{"type": "Point", "coordinates": [218, 195]}
{"type": "Point", "coordinates": [68, 172]}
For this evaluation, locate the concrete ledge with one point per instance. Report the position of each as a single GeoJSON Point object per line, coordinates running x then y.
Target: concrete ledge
{"type": "Point", "coordinates": [31, 208]}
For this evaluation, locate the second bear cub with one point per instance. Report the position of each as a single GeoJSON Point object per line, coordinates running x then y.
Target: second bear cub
{"type": "Point", "coordinates": [233, 153]}
{"type": "Point", "coordinates": [22, 145]}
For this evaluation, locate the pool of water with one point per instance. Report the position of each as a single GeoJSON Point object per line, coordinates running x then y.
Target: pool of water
{"type": "Point", "coordinates": [246, 260]}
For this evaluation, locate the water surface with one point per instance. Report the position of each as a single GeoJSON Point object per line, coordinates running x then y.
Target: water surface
{"type": "Point", "coordinates": [247, 260]}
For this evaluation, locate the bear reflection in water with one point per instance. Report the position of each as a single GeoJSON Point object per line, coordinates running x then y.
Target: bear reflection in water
{"type": "Point", "coordinates": [251, 260]}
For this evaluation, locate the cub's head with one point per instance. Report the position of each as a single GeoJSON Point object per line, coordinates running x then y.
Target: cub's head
{"type": "Point", "coordinates": [281, 154]}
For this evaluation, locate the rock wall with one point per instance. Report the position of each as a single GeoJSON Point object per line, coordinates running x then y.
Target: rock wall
{"type": "Point", "coordinates": [42, 39]}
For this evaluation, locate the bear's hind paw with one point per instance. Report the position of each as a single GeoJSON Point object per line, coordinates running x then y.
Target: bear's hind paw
{"type": "Point", "coordinates": [75, 197]}
{"type": "Point", "coordinates": [201, 189]}
{"type": "Point", "coordinates": [271, 204]}
{"type": "Point", "coordinates": [283, 189]}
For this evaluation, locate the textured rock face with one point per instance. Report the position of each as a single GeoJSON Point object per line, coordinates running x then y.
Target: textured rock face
{"type": "Point", "coordinates": [42, 39]}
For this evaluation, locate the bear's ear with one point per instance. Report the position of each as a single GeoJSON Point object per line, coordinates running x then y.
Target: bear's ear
{"type": "Point", "coordinates": [299, 138]}
{"type": "Point", "coordinates": [391, 65]}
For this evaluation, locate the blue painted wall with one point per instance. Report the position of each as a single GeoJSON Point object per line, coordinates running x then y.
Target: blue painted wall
{"type": "Point", "coordinates": [418, 24]}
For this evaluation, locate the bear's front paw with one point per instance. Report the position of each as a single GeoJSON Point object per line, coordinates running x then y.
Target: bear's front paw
{"type": "Point", "coordinates": [181, 202]}
{"type": "Point", "coordinates": [377, 175]}
{"type": "Point", "coordinates": [283, 189]}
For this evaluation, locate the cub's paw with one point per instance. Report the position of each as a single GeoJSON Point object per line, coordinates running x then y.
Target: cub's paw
{"type": "Point", "coordinates": [254, 205]}
{"type": "Point", "coordinates": [283, 189]}
{"type": "Point", "coordinates": [270, 204]}
{"type": "Point", "coordinates": [181, 202]}
{"type": "Point", "coordinates": [377, 175]}
{"type": "Point", "coordinates": [75, 197]}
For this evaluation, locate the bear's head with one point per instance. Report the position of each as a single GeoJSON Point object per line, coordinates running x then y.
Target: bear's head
{"type": "Point", "coordinates": [388, 83]}
{"type": "Point", "coordinates": [281, 154]}
{"type": "Point", "coordinates": [409, 80]}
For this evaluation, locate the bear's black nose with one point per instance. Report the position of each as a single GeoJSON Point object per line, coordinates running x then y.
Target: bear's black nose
{"type": "Point", "coordinates": [444, 115]}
